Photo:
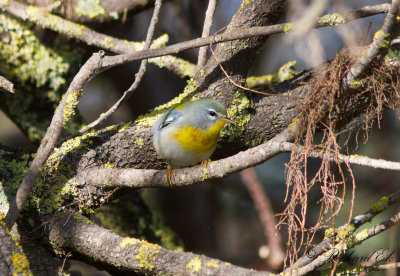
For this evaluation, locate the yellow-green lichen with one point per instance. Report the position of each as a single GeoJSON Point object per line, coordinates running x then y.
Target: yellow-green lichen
{"type": "Point", "coordinates": [71, 102]}
{"type": "Point", "coordinates": [139, 141]}
{"type": "Point", "coordinates": [147, 255]}
{"type": "Point", "coordinates": [212, 263]}
{"type": "Point", "coordinates": [255, 142]}
{"type": "Point", "coordinates": [244, 3]}
{"type": "Point", "coordinates": [256, 81]}
{"type": "Point", "coordinates": [124, 126]}
{"type": "Point", "coordinates": [361, 236]}
{"type": "Point", "coordinates": [346, 269]}
{"type": "Point", "coordinates": [83, 219]}
{"type": "Point", "coordinates": [288, 27]}
{"type": "Point", "coordinates": [15, 169]}
{"type": "Point", "coordinates": [89, 8]}
{"type": "Point", "coordinates": [206, 171]}
{"type": "Point", "coordinates": [356, 84]}
{"type": "Point", "coordinates": [56, 181]}
{"type": "Point", "coordinates": [128, 241]}
{"type": "Point", "coordinates": [187, 68]}
{"type": "Point", "coordinates": [239, 112]}
{"type": "Point", "coordinates": [341, 233]}
{"type": "Point", "coordinates": [30, 64]}
{"type": "Point", "coordinates": [194, 265]}
{"type": "Point", "coordinates": [107, 43]}
{"type": "Point", "coordinates": [20, 262]}
{"type": "Point", "coordinates": [381, 205]}
{"type": "Point", "coordinates": [56, 23]}
{"type": "Point", "coordinates": [285, 72]}
{"type": "Point", "coordinates": [109, 165]}
{"type": "Point", "coordinates": [333, 19]}
{"type": "Point", "coordinates": [385, 43]}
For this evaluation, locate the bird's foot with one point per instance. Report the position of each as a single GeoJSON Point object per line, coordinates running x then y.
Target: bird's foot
{"type": "Point", "coordinates": [170, 176]}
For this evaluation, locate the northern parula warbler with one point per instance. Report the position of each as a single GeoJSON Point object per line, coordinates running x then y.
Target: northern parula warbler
{"type": "Point", "coordinates": [188, 133]}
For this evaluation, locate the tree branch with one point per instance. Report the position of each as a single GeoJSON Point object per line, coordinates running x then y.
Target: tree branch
{"type": "Point", "coordinates": [6, 84]}
{"type": "Point", "coordinates": [379, 46]}
{"type": "Point", "coordinates": [206, 32]}
{"type": "Point", "coordinates": [74, 232]}
{"type": "Point", "coordinates": [320, 249]}
{"type": "Point", "coordinates": [138, 178]}
{"type": "Point", "coordinates": [43, 18]}
{"type": "Point", "coordinates": [350, 159]}
{"type": "Point", "coordinates": [266, 215]}
{"type": "Point", "coordinates": [62, 114]}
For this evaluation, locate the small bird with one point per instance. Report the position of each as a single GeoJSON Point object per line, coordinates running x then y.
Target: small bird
{"type": "Point", "coordinates": [188, 133]}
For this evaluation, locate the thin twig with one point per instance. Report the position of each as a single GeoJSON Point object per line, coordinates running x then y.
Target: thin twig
{"type": "Point", "coordinates": [87, 71]}
{"type": "Point", "coordinates": [138, 76]}
{"type": "Point", "coordinates": [266, 215]}
{"type": "Point", "coordinates": [351, 159]}
{"type": "Point", "coordinates": [6, 84]}
{"type": "Point", "coordinates": [206, 32]}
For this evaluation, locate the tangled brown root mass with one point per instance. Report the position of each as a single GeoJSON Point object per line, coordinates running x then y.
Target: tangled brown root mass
{"type": "Point", "coordinates": [328, 109]}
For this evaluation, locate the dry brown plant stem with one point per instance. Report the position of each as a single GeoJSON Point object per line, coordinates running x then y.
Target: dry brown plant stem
{"type": "Point", "coordinates": [266, 215]}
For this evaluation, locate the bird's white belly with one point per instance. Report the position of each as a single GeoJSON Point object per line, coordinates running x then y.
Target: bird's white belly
{"type": "Point", "coordinates": [169, 149]}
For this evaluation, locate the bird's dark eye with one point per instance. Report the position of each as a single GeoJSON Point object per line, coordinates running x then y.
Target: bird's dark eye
{"type": "Point", "coordinates": [212, 113]}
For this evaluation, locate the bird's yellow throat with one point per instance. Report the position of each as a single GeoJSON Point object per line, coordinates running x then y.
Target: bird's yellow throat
{"type": "Point", "coordinates": [197, 139]}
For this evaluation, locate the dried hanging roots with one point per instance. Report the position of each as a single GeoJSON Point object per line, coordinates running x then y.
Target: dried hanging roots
{"type": "Point", "coordinates": [327, 110]}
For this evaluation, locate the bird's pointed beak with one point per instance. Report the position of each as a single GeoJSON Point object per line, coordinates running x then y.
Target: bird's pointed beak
{"type": "Point", "coordinates": [228, 120]}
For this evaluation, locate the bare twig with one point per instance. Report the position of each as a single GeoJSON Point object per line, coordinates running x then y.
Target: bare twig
{"type": "Point", "coordinates": [240, 34]}
{"type": "Point", "coordinates": [266, 215]}
{"type": "Point", "coordinates": [206, 32]}
{"type": "Point", "coordinates": [142, 178]}
{"type": "Point", "coordinates": [6, 84]}
{"type": "Point", "coordinates": [138, 76]}
{"type": "Point", "coordinates": [64, 109]}
{"type": "Point", "coordinates": [350, 159]}
{"type": "Point", "coordinates": [380, 44]}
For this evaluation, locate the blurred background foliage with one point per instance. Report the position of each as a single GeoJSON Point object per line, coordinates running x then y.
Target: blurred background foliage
{"type": "Point", "coordinates": [216, 218]}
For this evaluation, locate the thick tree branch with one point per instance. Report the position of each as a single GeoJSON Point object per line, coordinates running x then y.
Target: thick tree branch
{"type": "Point", "coordinates": [74, 232]}
{"type": "Point", "coordinates": [137, 178]}
{"type": "Point", "coordinates": [6, 84]}
{"type": "Point", "coordinates": [320, 249]}
{"type": "Point", "coordinates": [12, 260]}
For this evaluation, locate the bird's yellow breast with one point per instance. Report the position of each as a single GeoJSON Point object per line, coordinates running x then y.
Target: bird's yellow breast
{"type": "Point", "coordinates": [197, 139]}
